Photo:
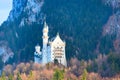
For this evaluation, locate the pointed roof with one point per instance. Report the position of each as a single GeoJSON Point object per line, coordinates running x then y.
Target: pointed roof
{"type": "Point", "coordinates": [37, 46]}
{"type": "Point", "coordinates": [45, 24]}
{"type": "Point", "coordinates": [58, 34]}
{"type": "Point", "coordinates": [45, 27]}
{"type": "Point", "coordinates": [58, 40]}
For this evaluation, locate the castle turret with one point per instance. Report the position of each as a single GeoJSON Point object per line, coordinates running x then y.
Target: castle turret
{"type": "Point", "coordinates": [45, 42]}
{"type": "Point", "coordinates": [37, 54]}
{"type": "Point", "coordinates": [37, 49]}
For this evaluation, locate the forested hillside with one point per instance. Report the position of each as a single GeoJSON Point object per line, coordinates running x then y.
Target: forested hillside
{"type": "Point", "coordinates": [90, 28]}
{"type": "Point", "coordinates": [80, 23]}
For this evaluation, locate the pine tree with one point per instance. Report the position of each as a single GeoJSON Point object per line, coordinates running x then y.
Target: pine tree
{"type": "Point", "coordinates": [18, 76]}
{"type": "Point", "coordinates": [84, 75]}
{"type": "Point", "coordinates": [3, 77]}
{"type": "Point", "coordinates": [58, 75]}
{"type": "Point", "coordinates": [30, 77]}
{"type": "Point", "coordinates": [10, 77]}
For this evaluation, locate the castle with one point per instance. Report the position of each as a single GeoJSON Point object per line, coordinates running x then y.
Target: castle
{"type": "Point", "coordinates": [52, 50]}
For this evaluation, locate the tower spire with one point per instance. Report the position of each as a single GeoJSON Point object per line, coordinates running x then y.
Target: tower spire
{"type": "Point", "coordinates": [57, 33]}
{"type": "Point", "coordinates": [45, 34]}
{"type": "Point", "coordinates": [45, 42]}
{"type": "Point", "coordinates": [45, 24]}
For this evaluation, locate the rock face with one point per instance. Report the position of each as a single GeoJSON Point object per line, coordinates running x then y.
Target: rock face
{"type": "Point", "coordinates": [113, 25]}
{"type": "Point", "coordinates": [30, 9]}
{"type": "Point", "coordinates": [17, 8]}
{"type": "Point", "coordinates": [23, 13]}
{"type": "Point", "coordinates": [113, 3]}
{"type": "Point", "coordinates": [5, 52]}
{"type": "Point", "coordinates": [113, 28]}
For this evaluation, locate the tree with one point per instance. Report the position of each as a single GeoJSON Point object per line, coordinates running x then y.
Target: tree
{"type": "Point", "coordinates": [84, 75]}
{"type": "Point", "coordinates": [18, 76]}
{"type": "Point", "coordinates": [114, 63]}
{"type": "Point", "coordinates": [30, 77]}
{"type": "Point", "coordinates": [58, 75]}
{"type": "Point", "coordinates": [1, 62]}
{"type": "Point", "coordinates": [10, 77]}
{"type": "Point", "coordinates": [3, 77]}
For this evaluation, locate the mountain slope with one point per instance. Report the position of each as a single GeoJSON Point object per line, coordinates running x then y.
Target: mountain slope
{"type": "Point", "coordinates": [79, 22]}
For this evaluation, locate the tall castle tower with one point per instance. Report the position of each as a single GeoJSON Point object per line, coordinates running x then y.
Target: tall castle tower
{"type": "Point", "coordinates": [45, 42]}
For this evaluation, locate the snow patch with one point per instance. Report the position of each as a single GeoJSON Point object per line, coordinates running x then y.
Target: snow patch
{"type": "Point", "coordinates": [2, 50]}
{"type": "Point", "coordinates": [113, 3]}
{"type": "Point", "coordinates": [5, 52]}
{"type": "Point", "coordinates": [33, 8]}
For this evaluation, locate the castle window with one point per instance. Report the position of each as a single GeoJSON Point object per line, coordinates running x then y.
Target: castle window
{"type": "Point", "coordinates": [58, 56]}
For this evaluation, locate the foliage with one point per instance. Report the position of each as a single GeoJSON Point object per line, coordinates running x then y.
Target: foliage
{"type": "Point", "coordinates": [1, 63]}
{"type": "Point", "coordinates": [93, 67]}
{"type": "Point", "coordinates": [3, 76]}
{"type": "Point", "coordinates": [30, 77]}
{"type": "Point", "coordinates": [35, 71]}
{"type": "Point", "coordinates": [75, 18]}
{"type": "Point", "coordinates": [10, 77]}
{"type": "Point", "coordinates": [18, 76]}
{"type": "Point", "coordinates": [106, 44]}
{"type": "Point", "coordinates": [84, 75]}
{"type": "Point", "coordinates": [80, 23]}
{"type": "Point", "coordinates": [81, 18]}
{"type": "Point", "coordinates": [114, 63]}
{"type": "Point", "coordinates": [58, 75]}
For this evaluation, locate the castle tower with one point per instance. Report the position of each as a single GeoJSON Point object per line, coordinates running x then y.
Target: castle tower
{"type": "Point", "coordinates": [45, 42]}
{"type": "Point", "coordinates": [37, 54]}
{"type": "Point", "coordinates": [37, 48]}
{"type": "Point", "coordinates": [52, 51]}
